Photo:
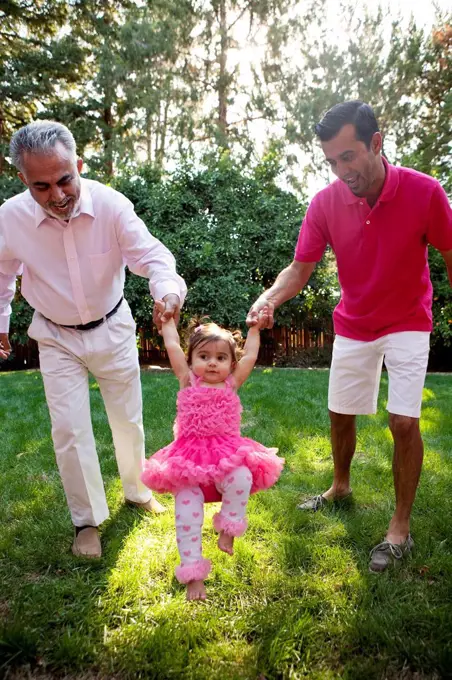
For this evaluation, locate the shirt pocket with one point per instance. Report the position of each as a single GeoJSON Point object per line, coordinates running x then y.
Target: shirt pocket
{"type": "Point", "coordinates": [105, 266]}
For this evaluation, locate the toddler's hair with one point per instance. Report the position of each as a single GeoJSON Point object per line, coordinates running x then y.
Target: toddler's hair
{"type": "Point", "coordinates": [200, 333]}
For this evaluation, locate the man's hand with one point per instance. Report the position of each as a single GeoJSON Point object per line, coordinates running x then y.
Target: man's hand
{"type": "Point", "coordinates": [288, 283]}
{"type": "Point", "coordinates": [166, 309]}
{"type": "Point", "coordinates": [5, 347]}
{"type": "Point", "coordinates": [261, 314]}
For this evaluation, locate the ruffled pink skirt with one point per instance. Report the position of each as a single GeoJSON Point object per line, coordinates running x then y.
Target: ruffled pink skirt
{"type": "Point", "coordinates": [205, 461]}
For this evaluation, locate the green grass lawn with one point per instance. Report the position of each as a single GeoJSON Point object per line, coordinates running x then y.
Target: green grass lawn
{"type": "Point", "coordinates": [296, 600]}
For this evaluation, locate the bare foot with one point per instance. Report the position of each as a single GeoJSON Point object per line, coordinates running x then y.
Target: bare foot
{"type": "Point", "coordinates": [152, 505]}
{"type": "Point", "coordinates": [196, 590]}
{"type": "Point", "coordinates": [226, 543]}
{"type": "Point", "coordinates": [336, 494]}
{"type": "Point", "coordinates": [156, 507]}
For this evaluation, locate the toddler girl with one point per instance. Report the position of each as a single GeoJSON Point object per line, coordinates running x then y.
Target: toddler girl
{"type": "Point", "coordinates": [208, 459]}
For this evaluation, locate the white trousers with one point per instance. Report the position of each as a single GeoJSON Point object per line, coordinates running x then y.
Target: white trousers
{"type": "Point", "coordinates": [110, 353]}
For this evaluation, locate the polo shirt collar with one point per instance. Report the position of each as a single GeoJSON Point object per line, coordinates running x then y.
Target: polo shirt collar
{"type": "Point", "coordinates": [389, 187]}
{"type": "Point", "coordinates": [86, 205]}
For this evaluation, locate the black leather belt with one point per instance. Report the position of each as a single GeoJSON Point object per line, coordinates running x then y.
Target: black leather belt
{"type": "Point", "coordinates": [94, 324]}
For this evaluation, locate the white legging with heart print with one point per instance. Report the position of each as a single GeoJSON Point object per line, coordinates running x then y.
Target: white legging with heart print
{"type": "Point", "coordinates": [235, 490]}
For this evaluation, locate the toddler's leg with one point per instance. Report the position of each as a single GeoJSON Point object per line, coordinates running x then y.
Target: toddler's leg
{"type": "Point", "coordinates": [231, 521]}
{"type": "Point", "coordinates": [193, 568]}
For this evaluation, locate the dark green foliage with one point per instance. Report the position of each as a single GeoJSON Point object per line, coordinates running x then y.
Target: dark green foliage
{"type": "Point", "coordinates": [34, 61]}
{"type": "Point", "coordinates": [432, 155]}
{"type": "Point", "coordinates": [231, 233]}
{"type": "Point", "coordinates": [10, 185]}
{"type": "Point", "coordinates": [134, 81]}
{"type": "Point", "coordinates": [442, 301]}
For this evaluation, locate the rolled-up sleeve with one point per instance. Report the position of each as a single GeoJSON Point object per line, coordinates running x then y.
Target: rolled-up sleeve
{"type": "Point", "coordinates": [439, 232]}
{"type": "Point", "coordinates": [9, 269]}
{"type": "Point", "coordinates": [146, 256]}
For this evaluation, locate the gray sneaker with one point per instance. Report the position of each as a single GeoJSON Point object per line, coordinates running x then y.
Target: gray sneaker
{"type": "Point", "coordinates": [387, 553]}
{"type": "Point", "coordinates": [314, 503]}
{"type": "Point", "coordinates": [318, 502]}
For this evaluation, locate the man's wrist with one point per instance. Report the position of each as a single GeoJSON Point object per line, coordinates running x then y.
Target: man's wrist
{"type": "Point", "coordinates": [266, 298]}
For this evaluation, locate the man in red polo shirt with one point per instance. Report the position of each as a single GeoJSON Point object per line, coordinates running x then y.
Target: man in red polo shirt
{"type": "Point", "coordinates": [378, 219]}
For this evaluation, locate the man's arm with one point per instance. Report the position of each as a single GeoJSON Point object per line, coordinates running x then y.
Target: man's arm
{"type": "Point", "coordinates": [439, 228]}
{"type": "Point", "coordinates": [311, 244]}
{"type": "Point", "coordinates": [9, 269]}
{"type": "Point", "coordinates": [146, 256]}
{"type": "Point", "coordinates": [7, 290]}
{"type": "Point", "coordinates": [447, 257]}
{"type": "Point", "coordinates": [288, 283]}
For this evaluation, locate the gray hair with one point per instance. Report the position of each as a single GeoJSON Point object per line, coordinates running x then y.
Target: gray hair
{"type": "Point", "coordinates": [41, 136]}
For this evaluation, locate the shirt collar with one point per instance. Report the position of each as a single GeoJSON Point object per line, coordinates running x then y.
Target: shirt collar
{"type": "Point", "coordinates": [85, 205]}
{"type": "Point", "coordinates": [389, 187]}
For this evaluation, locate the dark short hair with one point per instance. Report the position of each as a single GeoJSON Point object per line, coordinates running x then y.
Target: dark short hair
{"type": "Point", "coordinates": [210, 332]}
{"type": "Point", "coordinates": [352, 112]}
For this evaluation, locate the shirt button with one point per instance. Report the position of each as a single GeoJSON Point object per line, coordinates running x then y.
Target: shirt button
{"type": "Point", "coordinates": [367, 221]}
{"type": "Point", "coordinates": [361, 203]}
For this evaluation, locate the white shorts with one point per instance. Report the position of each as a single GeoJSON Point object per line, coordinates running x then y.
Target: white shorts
{"type": "Point", "coordinates": [356, 371]}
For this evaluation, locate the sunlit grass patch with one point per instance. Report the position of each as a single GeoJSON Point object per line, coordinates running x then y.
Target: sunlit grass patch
{"type": "Point", "coordinates": [295, 601]}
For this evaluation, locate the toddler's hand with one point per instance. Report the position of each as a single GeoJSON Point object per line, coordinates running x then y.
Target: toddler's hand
{"type": "Point", "coordinates": [159, 308]}
{"type": "Point", "coordinates": [262, 318]}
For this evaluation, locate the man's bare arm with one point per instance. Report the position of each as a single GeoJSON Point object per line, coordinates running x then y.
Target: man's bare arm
{"type": "Point", "coordinates": [288, 283]}
{"type": "Point", "coordinates": [447, 257]}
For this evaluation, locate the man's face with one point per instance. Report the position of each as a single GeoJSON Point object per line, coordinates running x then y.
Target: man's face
{"type": "Point", "coordinates": [352, 161]}
{"type": "Point", "coordinates": [53, 180]}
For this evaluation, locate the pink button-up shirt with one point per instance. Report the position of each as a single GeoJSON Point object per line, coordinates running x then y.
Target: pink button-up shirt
{"type": "Point", "coordinates": [381, 251]}
{"type": "Point", "coordinates": [73, 272]}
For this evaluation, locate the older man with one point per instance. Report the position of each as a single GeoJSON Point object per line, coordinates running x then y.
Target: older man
{"type": "Point", "coordinates": [378, 219]}
{"type": "Point", "coordinates": [70, 239]}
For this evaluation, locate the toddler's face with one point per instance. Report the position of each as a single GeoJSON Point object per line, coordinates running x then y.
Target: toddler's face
{"type": "Point", "coordinates": [212, 361]}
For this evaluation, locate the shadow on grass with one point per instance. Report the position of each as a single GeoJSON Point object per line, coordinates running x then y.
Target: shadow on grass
{"type": "Point", "coordinates": [109, 615]}
{"type": "Point", "coordinates": [57, 608]}
{"type": "Point", "coordinates": [295, 601]}
{"type": "Point", "coordinates": [373, 626]}
{"type": "Point", "coordinates": [49, 600]}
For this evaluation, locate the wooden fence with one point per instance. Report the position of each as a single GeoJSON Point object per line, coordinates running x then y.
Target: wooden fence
{"type": "Point", "coordinates": [283, 341]}
{"type": "Point", "coordinates": [277, 342]}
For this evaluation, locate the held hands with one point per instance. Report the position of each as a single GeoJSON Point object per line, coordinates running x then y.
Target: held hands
{"type": "Point", "coordinates": [166, 309]}
{"type": "Point", "coordinates": [261, 314]}
{"type": "Point", "coordinates": [5, 347]}
{"type": "Point", "coordinates": [263, 318]}
{"type": "Point", "coordinates": [260, 322]}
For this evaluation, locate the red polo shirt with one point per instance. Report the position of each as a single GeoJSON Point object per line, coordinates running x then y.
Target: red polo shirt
{"type": "Point", "coordinates": [381, 252]}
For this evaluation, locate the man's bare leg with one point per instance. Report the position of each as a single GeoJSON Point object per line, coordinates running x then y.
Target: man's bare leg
{"type": "Point", "coordinates": [343, 442]}
{"type": "Point", "coordinates": [406, 467]}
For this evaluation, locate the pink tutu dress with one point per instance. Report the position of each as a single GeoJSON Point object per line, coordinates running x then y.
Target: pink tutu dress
{"type": "Point", "coordinates": [208, 445]}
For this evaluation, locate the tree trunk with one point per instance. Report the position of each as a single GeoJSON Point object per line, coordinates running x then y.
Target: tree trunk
{"type": "Point", "coordinates": [2, 128]}
{"type": "Point", "coordinates": [161, 150]}
{"type": "Point", "coordinates": [149, 136]}
{"type": "Point", "coordinates": [108, 139]}
{"type": "Point", "coordinates": [223, 78]}
{"type": "Point", "coordinates": [158, 130]}
{"type": "Point", "coordinates": [108, 96]}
